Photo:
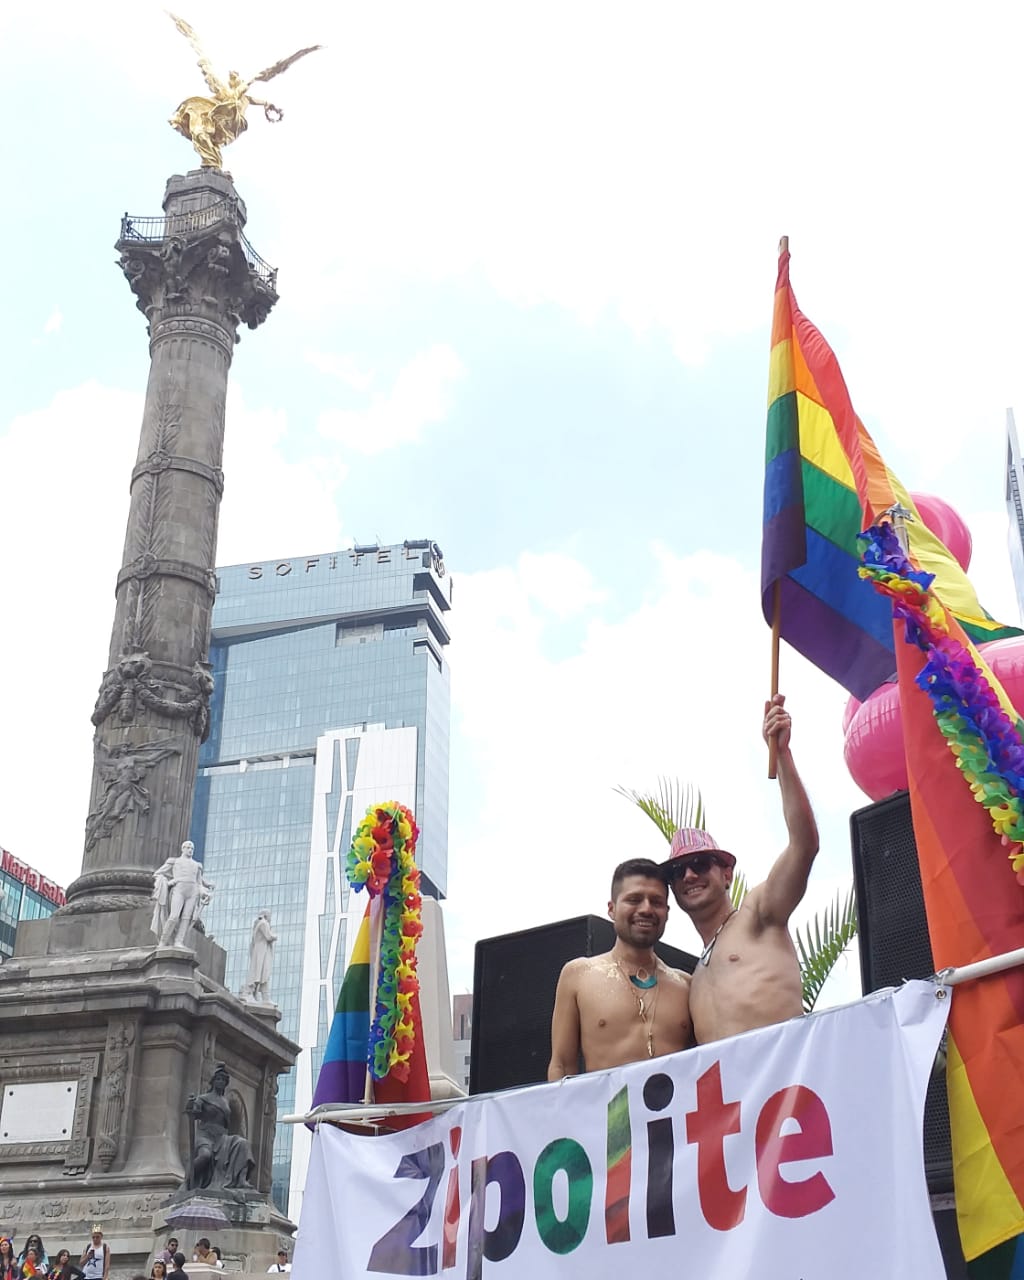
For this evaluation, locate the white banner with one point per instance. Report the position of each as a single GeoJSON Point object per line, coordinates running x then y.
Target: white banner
{"type": "Point", "coordinates": [790, 1153]}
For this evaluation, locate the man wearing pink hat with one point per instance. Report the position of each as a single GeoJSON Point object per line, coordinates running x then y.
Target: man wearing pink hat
{"type": "Point", "coordinates": [748, 975]}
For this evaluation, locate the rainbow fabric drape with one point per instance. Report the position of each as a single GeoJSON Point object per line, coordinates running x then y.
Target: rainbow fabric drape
{"type": "Point", "coordinates": [386, 1053]}
{"type": "Point", "coordinates": [824, 482]}
{"type": "Point", "coordinates": [956, 716]}
{"type": "Point", "coordinates": [342, 1076]}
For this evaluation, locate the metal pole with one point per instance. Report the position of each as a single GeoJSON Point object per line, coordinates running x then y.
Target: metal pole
{"type": "Point", "coordinates": [981, 968]}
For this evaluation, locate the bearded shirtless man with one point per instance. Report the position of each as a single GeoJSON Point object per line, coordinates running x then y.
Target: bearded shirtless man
{"type": "Point", "coordinates": [625, 1005]}
{"type": "Point", "coordinates": [748, 975]}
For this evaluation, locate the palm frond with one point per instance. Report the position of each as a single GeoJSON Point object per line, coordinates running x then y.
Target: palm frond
{"type": "Point", "coordinates": [738, 889]}
{"type": "Point", "coordinates": [824, 939]}
{"type": "Point", "coordinates": [673, 805]}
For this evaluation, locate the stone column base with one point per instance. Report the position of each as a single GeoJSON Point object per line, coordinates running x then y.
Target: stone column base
{"type": "Point", "coordinates": [76, 936]}
{"type": "Point", "coordinates": [250, 1241]}
{"type": "Point", "coordinates": [109, 1045]}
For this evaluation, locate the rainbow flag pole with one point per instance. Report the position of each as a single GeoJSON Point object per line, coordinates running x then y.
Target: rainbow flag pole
{"type": "Point", "coordinates": [776, 615]}
{"type": "Point", "coordinates": [825, 482]}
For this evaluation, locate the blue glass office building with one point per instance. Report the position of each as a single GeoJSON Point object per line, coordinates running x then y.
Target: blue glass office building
{"type": "Point", "coordinates": [331, 694]}
{"type": "Point", "coordinates": [25, 894]}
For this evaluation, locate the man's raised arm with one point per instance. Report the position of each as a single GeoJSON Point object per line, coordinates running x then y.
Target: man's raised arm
{"type": "Point", "coordinates": [565, 1026]}
{"type": "Point", "coordinates": [787, 881]}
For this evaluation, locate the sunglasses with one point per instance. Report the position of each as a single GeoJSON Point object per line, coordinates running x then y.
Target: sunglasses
{"type": "Point", "coordinates": [699, 863]}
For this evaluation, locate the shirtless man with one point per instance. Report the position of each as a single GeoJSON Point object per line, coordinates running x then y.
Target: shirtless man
{"type": "Point", "coordinates": [748, 974]}
{"type": "Point", "coordinates": [627, 1004]}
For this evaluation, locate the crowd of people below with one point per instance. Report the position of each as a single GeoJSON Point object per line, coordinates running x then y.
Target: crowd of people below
{"type": "Point", "coordinates": [171, 1261]}
{"type": "Point", "coordinates": [94, 1262]}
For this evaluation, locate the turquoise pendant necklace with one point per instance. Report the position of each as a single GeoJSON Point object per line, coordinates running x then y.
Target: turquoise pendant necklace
{"type": "Point", "coordinates": [646, 982]}
{"type": "Point", "coordinates": [643, 983]}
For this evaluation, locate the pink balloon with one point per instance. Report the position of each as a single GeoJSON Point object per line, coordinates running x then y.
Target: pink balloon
{"type": "Point", "coordinates": [874, 728]}
{"type": "Point", "coordinates": [874, 743]}
{"type": "Point", "coordinates": [947, 524]}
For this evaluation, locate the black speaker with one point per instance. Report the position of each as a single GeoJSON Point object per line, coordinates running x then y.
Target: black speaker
{"type": "Point", "coordinates": [894, 944]}
{"type": "Point", "coordinates": [514, 980]}
{"type": "Point", "coordinates": [948, 1235]}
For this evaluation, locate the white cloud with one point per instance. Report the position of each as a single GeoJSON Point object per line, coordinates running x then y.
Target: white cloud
{"type": "Point", "coordinates": [64, 511]}
{"type": "Point", "coordinates": [990, 571]}
{"type": "Point", "coordinates": [54, 321]}
{"type": "Point", "coordinates": [271, 500]}
{"type": "Point", "coordinates": [651, 183]}
{"type": "Point", "coordinates": [559, 584]}
{"type": "Point", "coordinates": [344, 367]}
{"type": "Point", "coordinates": [63, 507]}
{"type": "Point", "coordinates": [420, 395]}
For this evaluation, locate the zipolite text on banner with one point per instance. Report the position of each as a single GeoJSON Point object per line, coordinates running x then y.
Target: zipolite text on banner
{"type": "Point", "coordinates": [789, 1153]}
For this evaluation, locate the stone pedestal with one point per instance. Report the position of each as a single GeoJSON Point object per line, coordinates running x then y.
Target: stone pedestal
{"type": "Point", "coordinates": [250, 1241]}
{"type": "Point", "coordinates": [77, 935]}
{"type": "Point", "coordinates": [120, 1036]}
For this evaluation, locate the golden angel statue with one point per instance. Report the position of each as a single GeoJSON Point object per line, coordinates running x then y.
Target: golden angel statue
{"type": "Point", "coordinates": [211, 123]}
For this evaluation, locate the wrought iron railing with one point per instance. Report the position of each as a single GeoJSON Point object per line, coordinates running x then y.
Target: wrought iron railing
{"type": "Point", "coordinates": [154, 230]}
{"type": "Point", "coordinates": [264, 270]}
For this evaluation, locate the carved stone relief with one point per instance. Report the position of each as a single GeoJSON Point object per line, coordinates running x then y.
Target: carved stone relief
{"type": "Point", "coordinates": [266, 1159]}
{"type": "Point", "coordinates": [183, 272]}
{"type": "Point", "coordinates": [130, 684]}
{"type": "Point", "coordinates": [122, 769]}
{"type": "Point", "coordinates": [118, 1059]}
{"type": "Point", "coordinates": [132, 1209]}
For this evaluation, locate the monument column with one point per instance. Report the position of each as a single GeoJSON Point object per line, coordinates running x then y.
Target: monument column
{"type": "Point", "coordinates": [196, 279]}
{"type": "Point", "coordinates": [112, 1030]}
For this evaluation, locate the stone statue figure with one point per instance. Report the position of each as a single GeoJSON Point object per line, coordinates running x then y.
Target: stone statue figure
{"type": "Point", "coordinates": [261, 958]}
{"type": "Point", "coordinates": [179, 895]}
{"type": "Point", "coordinates": [220, 1160]}
{"type": "Point", "coordinates": [211, 123]}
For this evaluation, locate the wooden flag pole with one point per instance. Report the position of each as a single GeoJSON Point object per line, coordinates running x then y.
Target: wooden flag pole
{"type": "Point", "coordinates": [773, 745]}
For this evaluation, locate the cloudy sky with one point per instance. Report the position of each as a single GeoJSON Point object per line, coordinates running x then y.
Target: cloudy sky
{"type": "Point", "coordinates": [527, 254]}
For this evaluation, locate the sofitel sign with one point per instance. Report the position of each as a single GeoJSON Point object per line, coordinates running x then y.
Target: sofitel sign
{"type": "Point", "coordinates": [374, 554]}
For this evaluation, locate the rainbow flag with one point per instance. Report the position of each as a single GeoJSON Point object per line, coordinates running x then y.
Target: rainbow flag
{"type": "Point", "coordinates": [342, 1075]}
{"type": "Point", "coordinates": [1006, 1262]}
{"type": "Point", "coordinates": [975, 909]}
{"type": "Point", "coordinates": [824, 482]}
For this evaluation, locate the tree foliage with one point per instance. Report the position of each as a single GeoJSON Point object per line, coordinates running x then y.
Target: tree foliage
{"type": "Point", "coordinates": [675, 804]}
{"type": "Point", "coordinates": [825, 936]}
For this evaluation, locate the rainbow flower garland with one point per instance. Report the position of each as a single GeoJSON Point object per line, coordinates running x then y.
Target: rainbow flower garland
{"type": "Point", "coordinates": [984, 739]}
{"type": "Point", "coordinates": [382, 858]}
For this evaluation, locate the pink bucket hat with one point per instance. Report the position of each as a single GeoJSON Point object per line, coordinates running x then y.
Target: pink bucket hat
{"type": "Point", "coordinates": [691, 840]}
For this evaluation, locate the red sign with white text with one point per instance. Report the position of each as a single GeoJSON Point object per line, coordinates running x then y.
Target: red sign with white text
{"type": "Point", "coordinates": [29, 876]}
